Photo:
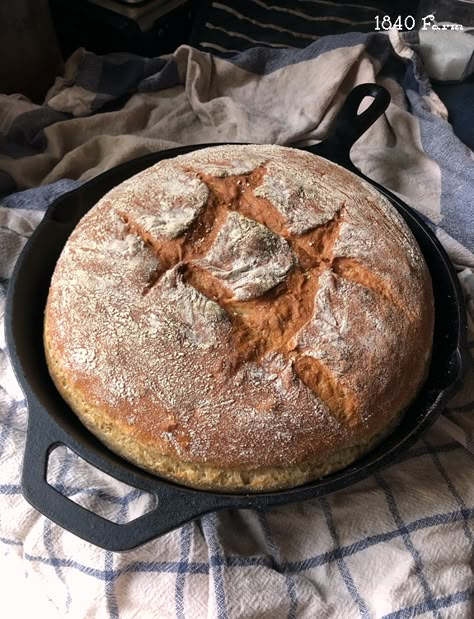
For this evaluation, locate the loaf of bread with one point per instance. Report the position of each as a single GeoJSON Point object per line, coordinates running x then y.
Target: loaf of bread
{"type": "Point", "coordinates": [241, 318]}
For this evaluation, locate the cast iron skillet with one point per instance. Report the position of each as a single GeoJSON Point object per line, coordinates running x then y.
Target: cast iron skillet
{"type": "Point", "coordinates": [52, 423]}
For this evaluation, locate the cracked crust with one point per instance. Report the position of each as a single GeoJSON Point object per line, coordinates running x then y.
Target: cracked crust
{"type": "Point", "coordinates": [241, 318]}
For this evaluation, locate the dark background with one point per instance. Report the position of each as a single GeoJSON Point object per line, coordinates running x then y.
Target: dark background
{"type": "Point", "coordinates": [80, 23]}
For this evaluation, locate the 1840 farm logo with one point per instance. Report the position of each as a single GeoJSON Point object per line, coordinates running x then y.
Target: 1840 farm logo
{"type": "Point", "coordinates": [409, 23]}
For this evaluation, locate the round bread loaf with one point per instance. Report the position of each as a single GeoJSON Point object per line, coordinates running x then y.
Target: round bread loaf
{"type": "Point", "coordinates": [241, 318]}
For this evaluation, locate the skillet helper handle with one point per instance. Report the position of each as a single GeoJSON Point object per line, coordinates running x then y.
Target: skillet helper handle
{"type": "Point", "coordinates": [349, 125]}
{"type": "Point", "coordinates": [174, 506]}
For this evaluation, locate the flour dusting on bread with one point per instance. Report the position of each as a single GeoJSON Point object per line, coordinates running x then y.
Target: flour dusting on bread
{"type": "Point", "coordinates": [248, 257]}
{"type": "Point", "coordinates": [240, 318]}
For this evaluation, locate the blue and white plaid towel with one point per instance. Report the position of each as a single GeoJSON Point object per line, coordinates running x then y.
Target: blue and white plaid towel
{"type": "Point", "coordinates": [400, 543]}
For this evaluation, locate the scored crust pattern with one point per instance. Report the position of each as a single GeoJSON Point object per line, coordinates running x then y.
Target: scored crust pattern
{"type": "Point", "coordinates": [240, 308]}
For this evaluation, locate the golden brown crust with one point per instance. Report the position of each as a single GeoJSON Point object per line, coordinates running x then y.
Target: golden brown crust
{"type": "Point", "coordinates": [243, 317]}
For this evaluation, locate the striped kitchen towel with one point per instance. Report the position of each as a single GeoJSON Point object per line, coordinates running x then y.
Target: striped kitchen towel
{"type": "Point", "coordinates": [398, 544]}
{"type": "Point", "coordinates": [227, 27]}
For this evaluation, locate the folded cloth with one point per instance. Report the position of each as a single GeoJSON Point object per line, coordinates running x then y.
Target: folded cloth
{"type": "Point", "coordinates": [398, 544]}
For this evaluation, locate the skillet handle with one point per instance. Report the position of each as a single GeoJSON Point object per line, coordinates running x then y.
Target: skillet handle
{"type": "Point", "coordinates": [349, 125]}
{"type": "Point", "coordinates": [174, 506]}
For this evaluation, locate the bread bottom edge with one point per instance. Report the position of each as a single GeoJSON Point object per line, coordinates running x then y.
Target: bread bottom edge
{"type": "Point", "coordinates": [233, 480]}
{"type": "Point", "coordinates": [205, 476]}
